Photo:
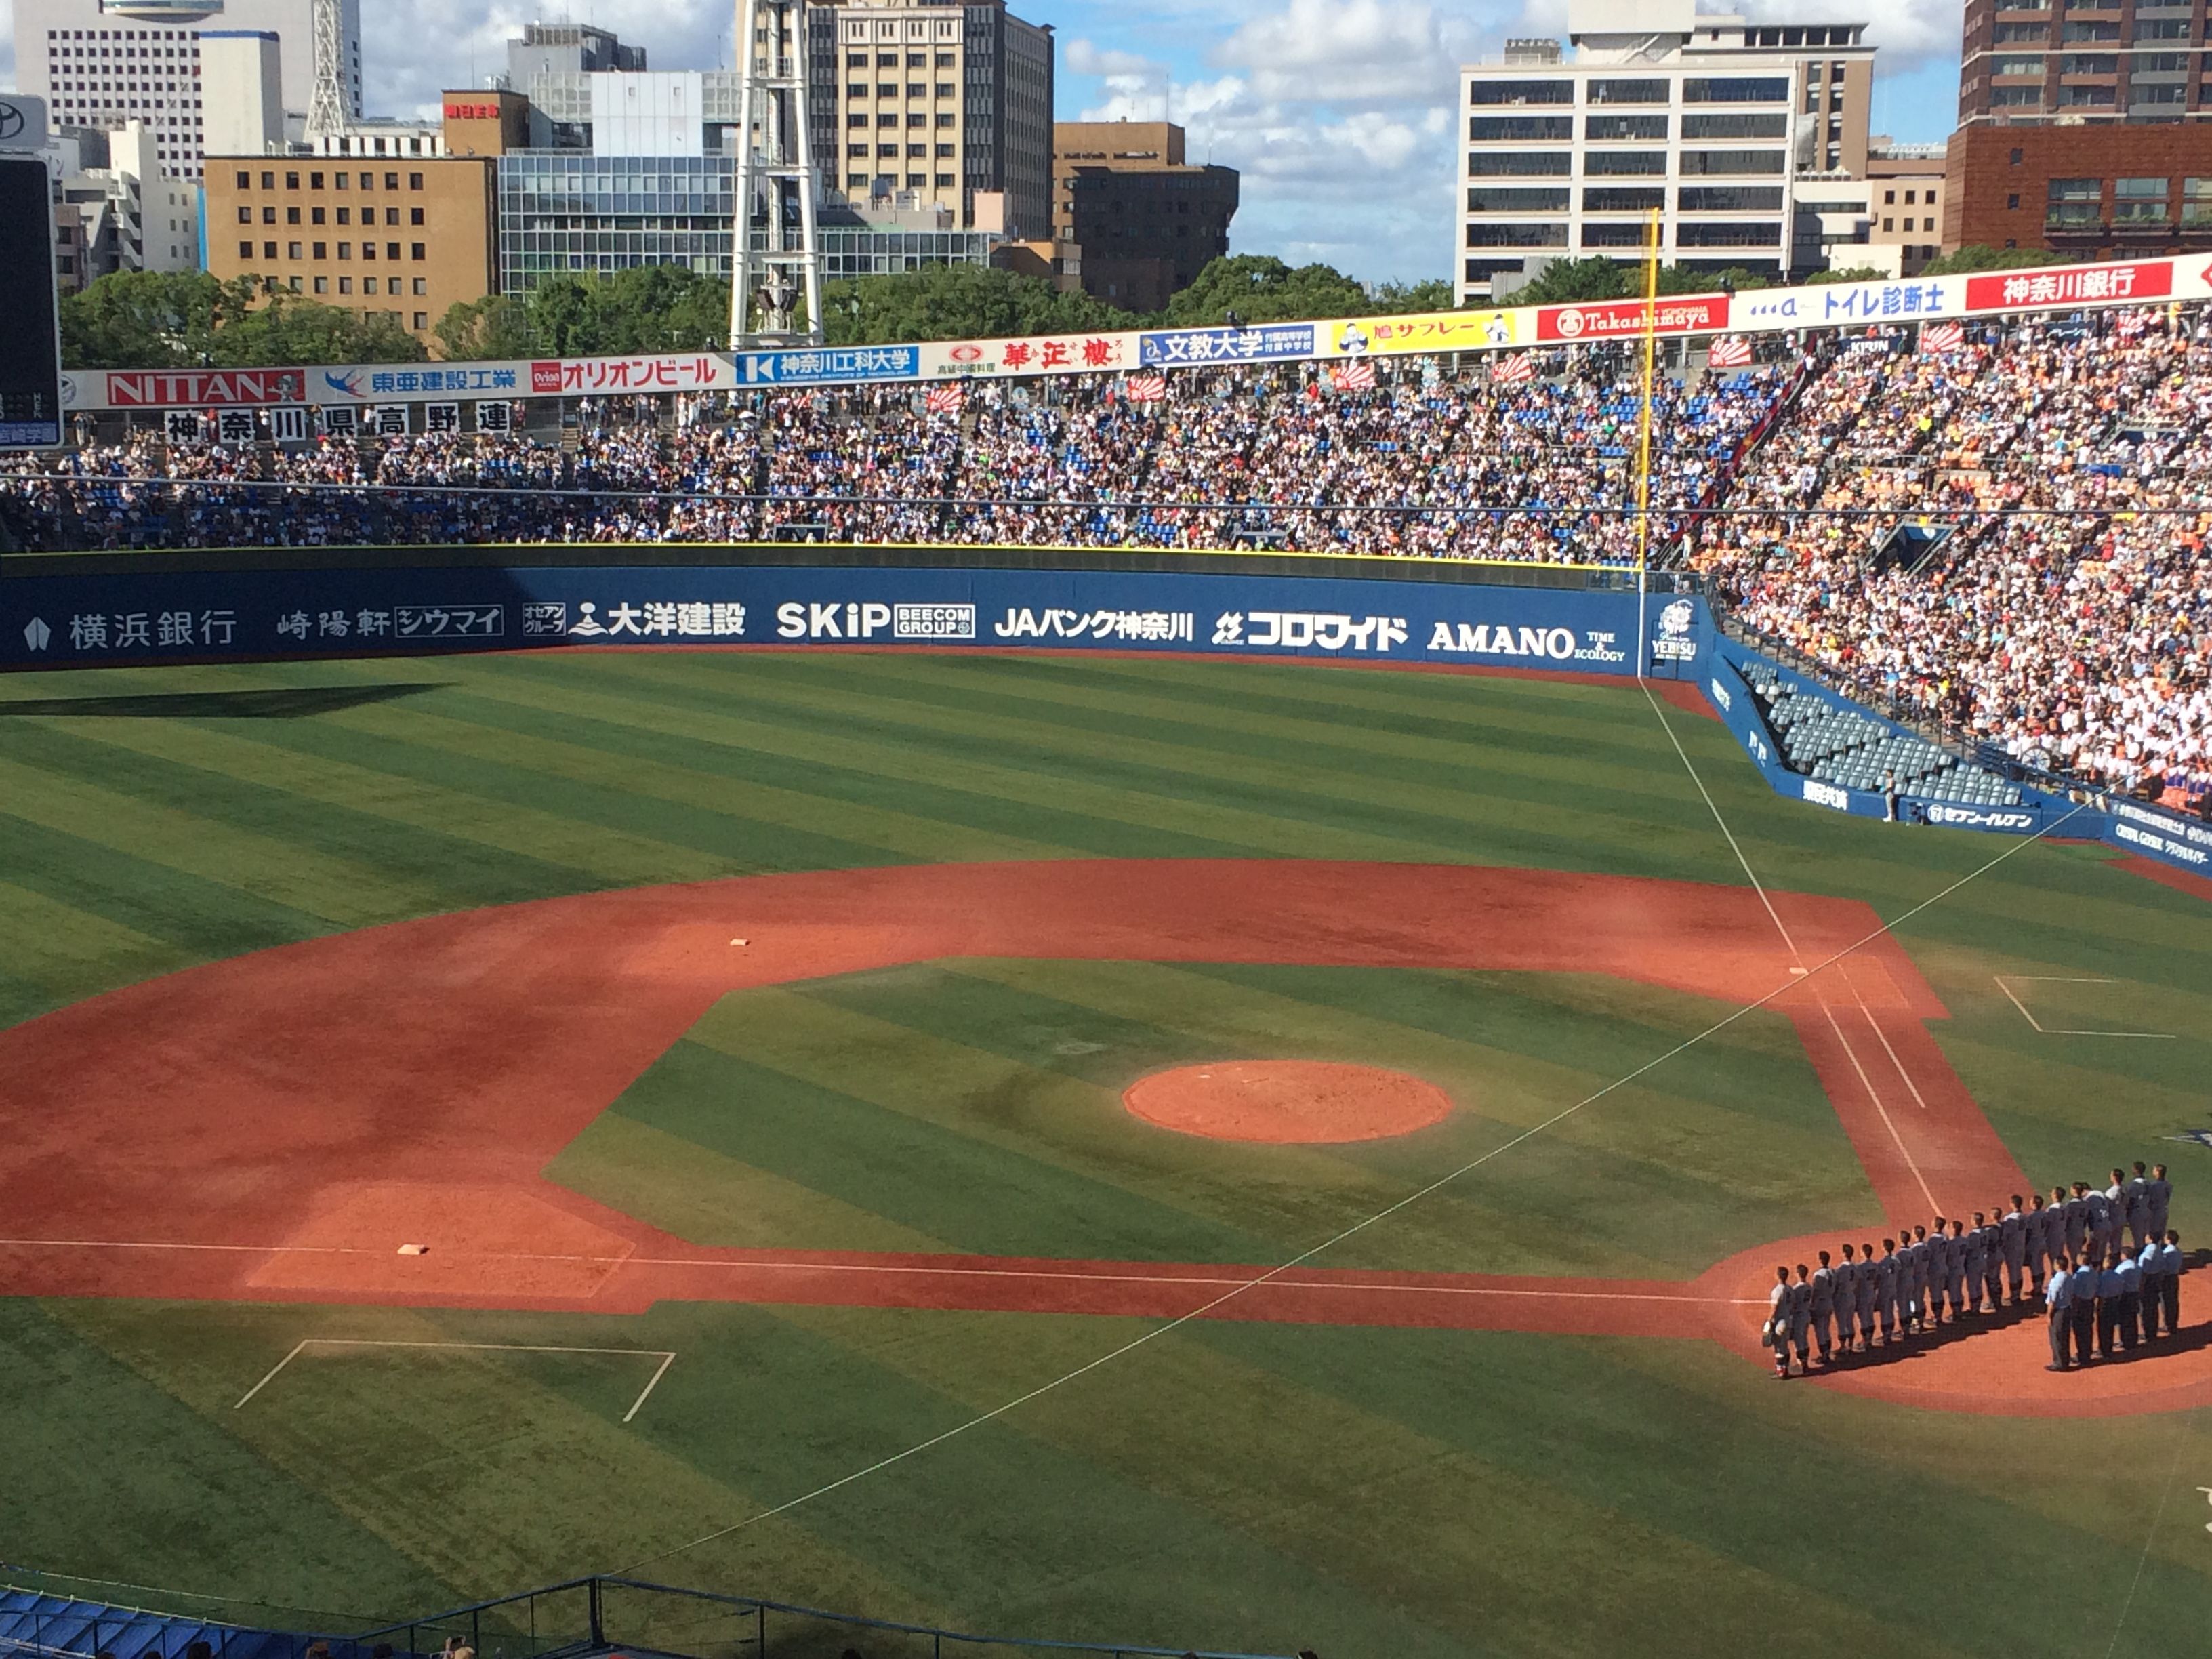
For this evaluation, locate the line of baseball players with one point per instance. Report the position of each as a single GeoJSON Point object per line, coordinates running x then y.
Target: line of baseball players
{"type": "Point", "coordinates": [1951, 1269]}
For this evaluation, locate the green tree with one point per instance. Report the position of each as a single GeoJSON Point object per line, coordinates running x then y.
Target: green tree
{"type": "Point", "coordinates": [150, 319]}
{"type": "Point", "coordinates": [1980, 256]}
{"type": "Point", "coordinates": [959, 302]}
{"type": "Point", "coordinates": [495, 327]}
{"type": "Point", "coordinates": [1261, 289]}
{"type": "Point", "coordinates": [1570, 281]}
{"type": "Point", "coordinates": [1848, 274]}
{"type": "Point", "coordinates": [1394, 299]}
{"type": "Point", "coordinates": [289, 330]}
{"type": "Point", "coordinates": [1579, 282]}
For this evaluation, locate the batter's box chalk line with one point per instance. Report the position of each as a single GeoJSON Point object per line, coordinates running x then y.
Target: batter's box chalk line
{"type": "Point", "coordinates": [2056, 1031]}
{"type": "Point", "coordinates": [666, 1356]}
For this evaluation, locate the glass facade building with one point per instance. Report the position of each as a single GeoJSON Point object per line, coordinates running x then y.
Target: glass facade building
{"type": "Point", "coordinates": [569, 210]}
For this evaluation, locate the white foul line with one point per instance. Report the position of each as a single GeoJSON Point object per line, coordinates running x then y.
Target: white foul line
{"type": "Point", "coordinates": [1774, 916]}
{"type": "Point", "coordinates": [2052, 1030]}
{"type": "Point", "coordinates": [664, 1355]}
{"type": "Point", "coordinates": [915, 1269]}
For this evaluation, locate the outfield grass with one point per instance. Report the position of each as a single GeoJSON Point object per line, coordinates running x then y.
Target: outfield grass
{"type": "Point", "coordinates": [1366, 1491]}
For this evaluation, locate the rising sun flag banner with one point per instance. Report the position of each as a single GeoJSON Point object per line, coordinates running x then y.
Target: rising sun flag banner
{"type": "Point", "coordinates": [1731, 351]}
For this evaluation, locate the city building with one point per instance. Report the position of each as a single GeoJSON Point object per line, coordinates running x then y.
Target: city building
{"type": "Point", "coordinates": [102, 64]}
{"type": "Point", "coordinates": [242, 87]}
{"type": "Point", "coordinates": [1709, 120]}
{"type": "Point", "coordinates": [2083, 131]}
{"type": "Point", "coordinates": [603, 165]}
{"type": "Point", "coordinates": [945, 105]}
{"type": "Point", "coordinates": [1906, 190]}
{"type": "Point", "coordinates": [2110, 193]}
{"type": "Point", "coordinates": [403, 234]}
{"type": "Point", "coordinates": [115, 210]}
{"type": "Point", "coordinates": [1147, 220]}
{"type": "Point", "coordinates": [2030, 62]}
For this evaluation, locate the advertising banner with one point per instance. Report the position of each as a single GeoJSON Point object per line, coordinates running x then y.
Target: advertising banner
{"type": "Point", "coordinates": [2013, 290]}
{"type": "Point", "coordinates": [1259, 343]}
{"type": "Point", "coordinates": [829, 365]}
{"type": "Point", "coordinates": [155, 615]}
{"type": "Point", "coordinates": [1059, 354]}
{"type": "Point", "coordinates": [1839, 305]}
{"type": "Point", "coordinates": [1440, 331]}
{"type": "Point", "coordinates": [1615, 318]}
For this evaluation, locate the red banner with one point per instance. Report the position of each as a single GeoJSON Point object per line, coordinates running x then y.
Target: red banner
{"type": "Point", "coordinates": [2008, 290]}
{"type": "Point", "coordinates": [190, 388]}
{"type": "Point", "coordinates": [1611, 319]}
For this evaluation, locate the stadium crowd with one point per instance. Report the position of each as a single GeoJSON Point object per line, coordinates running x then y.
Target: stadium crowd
{"type": "Point", "coordinates": [2065, 612]}
{"type": "Point", "coordinates": [1460, 466]}
{"type": "Point", "coordinates": [2006, 538]}
{"type": "Point", "coordinates": [2103, 1262]}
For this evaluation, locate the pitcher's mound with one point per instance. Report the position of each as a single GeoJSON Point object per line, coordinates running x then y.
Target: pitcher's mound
{"type": "Point", "coordinates": [1287, 1101]}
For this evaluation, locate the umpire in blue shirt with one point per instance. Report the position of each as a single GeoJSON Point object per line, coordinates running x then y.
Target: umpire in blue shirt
{"type": "Point", "coordinates": [2082, 1311]}
{"type": "Point", "coordinates": [2058, 1299]}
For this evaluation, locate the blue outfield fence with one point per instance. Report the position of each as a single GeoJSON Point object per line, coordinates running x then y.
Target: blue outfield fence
{"type": "Point", "coordinates": [2075, 814]}
{"type": "Point", "coordinates": [151, 615]}
{"type": "Point", "coordinates": [141, 612]}
{"type": "Point", "coordinates": [578, 1619]}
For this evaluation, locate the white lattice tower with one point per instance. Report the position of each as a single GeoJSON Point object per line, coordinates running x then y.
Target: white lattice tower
{"type": "Point", "coordinates": [329, 110]}
{"type": "Point", "coordinates": [776, 250]}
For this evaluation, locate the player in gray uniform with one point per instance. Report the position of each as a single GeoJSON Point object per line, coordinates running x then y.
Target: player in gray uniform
{"type": "Point", "coordinates": [1993, 1257]}
{"type": "Point", "coordinates": [2012, 1247]}
{"type": "Point", "coordinates": [2054, 1226]}
{"type": "Point", "coordinates": [1777, 1321]}
{"type": "Point", "coordinates": [1939, 1273]}
{"type": "Point", "coordinates": [2035, 1245]}
{"type": "Point", "coordinates": [2136, 1195]}
{"type": "Point", "coordinates": [2159, 1191]}
{"type": "Point", "coordinates": [1916, 1274]}
{"type": "Point", "coordinates": [2099, 1210]}
{"type": "Point", "coordinates": [1823, 1311]}
{"type": "Point", "coordinates": [1801, 1318]}
{"type": "Point", "coordinates": [1847, 1298]}
{"type": "Point", "coordinates": [1869, 1294]}
{"type": "Point", "coordinates": [2076, 1205]}
{"type": "Point", "coordinates": [1976, 1263]}
{"type": "Point", "coordinates": [2116, 1210]}
{"type": "Point", "coordinates": [1889, 1292]}
{"type": "Point", "coordinates": [1958, 1265]}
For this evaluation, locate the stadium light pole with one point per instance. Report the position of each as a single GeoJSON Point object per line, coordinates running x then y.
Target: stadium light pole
{"type": "Point", "coordinates": [776, 262]}
{"type": "Point", "coordinates": [1644, 440]}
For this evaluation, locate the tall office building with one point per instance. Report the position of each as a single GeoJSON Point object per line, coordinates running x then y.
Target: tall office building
{"type": "Point", "coordinates": [920, 104]}
{"type": "Point", "coordinates": [2027, 62]}
{"type": "Point", "coordinates": [102, 64]}
{"type": "Point", "coordinates": [2085, 130]}
{"type": "Point", "coordinates": [1725, 127]}
{"type": "Point", "coordinates": [1147, 221]}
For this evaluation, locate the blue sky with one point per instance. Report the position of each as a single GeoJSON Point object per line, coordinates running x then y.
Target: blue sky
{"type": "Point", "coordinates": [1338, 113]}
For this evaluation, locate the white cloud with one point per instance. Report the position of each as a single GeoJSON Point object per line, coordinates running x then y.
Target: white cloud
{"type": "Point", "coordinates": [1081, 57]}
{"type": "Point", "coordinates": [412, 50]}
{"type": "Point", "coordinates": [1344, 52]}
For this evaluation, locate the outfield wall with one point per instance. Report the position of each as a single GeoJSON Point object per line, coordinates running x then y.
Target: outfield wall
{"type": "Point", "coordinates": [154, 613]}
{"type": "Point", "coordinates": [149, 611]}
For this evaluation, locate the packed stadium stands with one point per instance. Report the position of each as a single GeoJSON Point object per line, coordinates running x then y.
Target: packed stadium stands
{"type": "Point", "coordinates": [2005, 540]}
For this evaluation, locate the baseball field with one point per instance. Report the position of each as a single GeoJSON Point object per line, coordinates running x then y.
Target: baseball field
{"type": "Point", "coordinates": [1221, 1155]}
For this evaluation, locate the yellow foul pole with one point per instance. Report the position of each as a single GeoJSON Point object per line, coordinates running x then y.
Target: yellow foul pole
{"type": "Point", "coordinates": [1644, 440]}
